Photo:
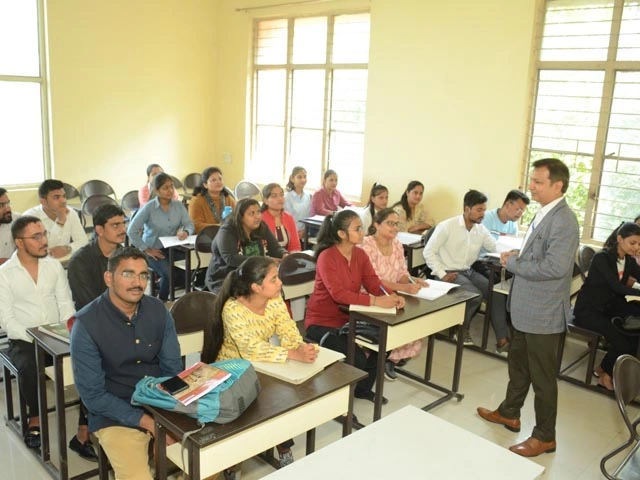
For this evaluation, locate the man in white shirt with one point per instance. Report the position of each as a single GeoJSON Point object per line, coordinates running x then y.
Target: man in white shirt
{"type": "Point", "coordinates": [33, 291]}
{"type": "Point", "coordinates": [64, 229]}
{"type": "Point", "coordinates": [6, 219]}
{"type": "Point", "coordinates": [454, 247]}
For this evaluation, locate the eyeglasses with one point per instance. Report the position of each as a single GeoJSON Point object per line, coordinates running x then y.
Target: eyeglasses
{"type": "Point", "coordinates": [392, 224]}
{"type": "Point", "coordinates": [38, 237]}
{"type": "Point", "coordinates": [5, 204]}
{"type": "Point", "coordinates": [144, 276]}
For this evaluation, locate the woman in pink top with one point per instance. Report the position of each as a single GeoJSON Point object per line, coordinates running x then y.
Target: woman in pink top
{"type": "Point", "coordinates": [328, 199]}
{"type": "Point", "coordinates": [387, 257]}
{"type": "Point", "coordinates": [146, 192]}
{"type": "Point", "coordinates": [281, 223]}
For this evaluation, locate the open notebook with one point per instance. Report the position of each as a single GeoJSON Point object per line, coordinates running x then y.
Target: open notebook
{"type": "Point", "coordinates": [436, 289]}
{"type": "Point", "coordinates": [297, 372]}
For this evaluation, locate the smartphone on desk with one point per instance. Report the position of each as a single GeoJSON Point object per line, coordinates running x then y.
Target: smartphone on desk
{"type": "Point", "coordinates": [174, 385]}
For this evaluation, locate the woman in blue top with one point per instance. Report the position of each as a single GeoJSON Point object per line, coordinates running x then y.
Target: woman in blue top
{"type": "Point", "coordinates": [161, 217]}
{"type": "Point", "coordinates": [296, 201]}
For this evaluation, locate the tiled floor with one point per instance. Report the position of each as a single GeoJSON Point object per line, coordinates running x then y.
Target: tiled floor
{"type": "Point", "coordinates": [589, 424]}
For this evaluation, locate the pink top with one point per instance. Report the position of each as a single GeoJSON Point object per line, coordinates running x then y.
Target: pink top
{"type": "Point", "coordinates": [324, 204]}
{"type": "Point", "coordinates": [338, 282]}
{"type": "Point", "coordinates": [289, 225]}
{"type": "Point", "coordinates": [390, 268]}
{"type": "Point", "coordinates": [144, 194]}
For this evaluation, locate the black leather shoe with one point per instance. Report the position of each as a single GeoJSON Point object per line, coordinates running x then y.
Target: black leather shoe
{"type": "Point", "coordinates": [371, 397]}
{"type": "Point", "coordinates": [32, 438]}
{"type": "Point", "coordinates": [85, 450]}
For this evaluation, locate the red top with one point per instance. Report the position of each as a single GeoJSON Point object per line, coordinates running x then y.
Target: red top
{"type": "Point", "coordinates": [339, 283]}
{"type": "Point", "coordinates": [289, 223]}
{"type": "Point", "coordinates": [324, 204]}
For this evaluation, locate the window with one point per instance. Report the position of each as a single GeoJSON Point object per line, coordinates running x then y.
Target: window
{"type": "Point", "coordinates": [309, 98]}
{"type": "Point", "coordinates": [23, 127]}
{"type": "Point", "coordinates": [587, 107]}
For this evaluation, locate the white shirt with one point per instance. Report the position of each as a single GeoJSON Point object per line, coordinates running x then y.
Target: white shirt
{"type": "Point", "coordinates": [71, 233]}
{"type": "Point", "coordinates": [453, 247]}
{"type": "Point", "coordinates": [25, 304]}
{"type": "Point", "coordinates": [6, 240]}
{"type": "Point", "coordinates": [540, 214]}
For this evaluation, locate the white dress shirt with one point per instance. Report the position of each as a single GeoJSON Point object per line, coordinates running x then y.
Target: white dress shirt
{"type": "Point", "coordinates": [453, 247]}
{"type": "Point", "coordinates": [71, 233]}
{"type": "Point", "coordinates": [25, 304]}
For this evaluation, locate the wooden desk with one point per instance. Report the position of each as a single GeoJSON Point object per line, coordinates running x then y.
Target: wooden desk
{"type": "Point", "coordinates": [310, 224]}
{"type": "Point", "coordinates": [186, 249]}
{"type": "Point", "coordinates": [415, 257]}
{"type": "Point", "coordinates": [385, 449]}
{"type": "Point", "coordinates": [281, 411]}
{"type": "Point", "coordinates": [418, 319]}
{"type": "Point", "coordinates": [62, 376]}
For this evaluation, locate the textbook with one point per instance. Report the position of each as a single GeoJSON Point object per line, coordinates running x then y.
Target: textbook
{"type": "Point", "coordinates": [632, 298]}
{"type": "Point", "coordinates": [56, 330]}
{"type": "Point", "coordinates": [436, 289]}
{"type": "Point", "coordinates": [373, 309]}
{"type": "Point", "coordinates": [296, 372]}
{"type": "Point", "coordinates": [201, 378]}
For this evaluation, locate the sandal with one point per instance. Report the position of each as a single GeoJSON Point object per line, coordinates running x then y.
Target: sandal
{"type": "Point", "coordinates": [32, 437]}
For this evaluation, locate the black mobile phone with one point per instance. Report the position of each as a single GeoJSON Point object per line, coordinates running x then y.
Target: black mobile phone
{"type": "Point", "coordinates": [174, 385]}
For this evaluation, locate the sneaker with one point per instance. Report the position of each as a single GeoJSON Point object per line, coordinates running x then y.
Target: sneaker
{"type": "Point", "coordinates": [503, 350]}
{"type": "Point", "coordinates": [85, 450]}
{"type": "Point", "coordinates": [231, 474]}
{"type": "Point", "coordinates": [286, 458]}
{"type": "Point", "coordinates": [32, 437]}
{"type": "Point", "coordinates": [466, 338]}
{"type": "Point", "coordinates": [390, 371]}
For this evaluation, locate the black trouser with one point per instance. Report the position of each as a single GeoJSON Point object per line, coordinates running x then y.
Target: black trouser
{"type": "Point", "coordinates": [600, 322]}
{"type": "Point", "coordinates": [339, 344]}
{"type": "Point", "coordinates": [23, 356]}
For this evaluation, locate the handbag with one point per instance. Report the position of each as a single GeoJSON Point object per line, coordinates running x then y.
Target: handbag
{"type": "Point", "coordinates": [364, 331]}
{"type": "Point", "coordinates": [630, 323]}
{"type": "Point", "coordinates": [222, 405]}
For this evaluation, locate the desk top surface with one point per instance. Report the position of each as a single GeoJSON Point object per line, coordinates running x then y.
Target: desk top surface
{"type": "Point", "coordinates": [415, 307]}
{"type": "Point", "coordinates": [51, 345]}
{"type": "Point", "coordinates": [276, 397]}
{"type": "Point", "coordinates": [410, 443]}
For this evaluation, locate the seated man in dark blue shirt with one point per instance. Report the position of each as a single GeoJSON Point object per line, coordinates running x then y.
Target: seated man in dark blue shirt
{"type": "Point", "coordinates": [117, 339]}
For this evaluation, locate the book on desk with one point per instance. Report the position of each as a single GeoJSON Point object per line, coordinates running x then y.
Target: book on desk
{"type": "Point", "coordinates": [56, 330]}
{"type": "Point", "coordinates": [435, 290]}
{"type": "Point", "coordinates": [201, 378]}
{"type": "Point", "coordinates": [295, 372]}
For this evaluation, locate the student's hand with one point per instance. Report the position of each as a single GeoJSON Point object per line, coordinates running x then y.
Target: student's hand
{"type": "Point", "coordinates": [412, 288]}
{"type": "Point", "coordinates": [504, 256]}
{"type": "Point", "coordinates": [59, 251]}
{"type": "Point", "coordinates": [305, 352]}
{"type": "Point", "coordinates": [421, 282]}
{"type": "Point", "coordinates": [631, 281]}
{"type": "Point", "coordinates": [147, 423]}
{"type": "Point", "coordinates": [182, 234]}
{"type": "Point", "coordinates": [154, 253]}
{"type": "Point", "coordinates": [450, 277]}
{"type": "Point", "coordinates": [388, 301]}
{"type": "Point", "coordinates": [61, 216]}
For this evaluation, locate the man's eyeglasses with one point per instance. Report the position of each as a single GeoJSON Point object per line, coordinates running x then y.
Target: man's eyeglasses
{"type": "Point", "coordinates": [5, 204]}
{"type": "Point", "coordinates": [144, 276]}
{"type": "Point", "coordinates": [38, 237]}
{"type": "Point", "coordinates": [391, 223]}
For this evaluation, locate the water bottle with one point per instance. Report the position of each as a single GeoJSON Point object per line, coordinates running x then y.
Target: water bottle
{"type": "Point", "coordinates": [226, 211]}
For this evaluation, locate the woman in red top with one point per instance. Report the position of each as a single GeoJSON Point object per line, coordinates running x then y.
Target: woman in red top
{"type": "Point", "coordinates": [281, 223]}
{"type": "Point", "coordinates": [343, 270]}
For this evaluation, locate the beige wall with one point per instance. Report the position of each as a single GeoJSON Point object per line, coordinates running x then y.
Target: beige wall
{"type": "Point", "coordinates": [448, 93]}
{"type": "Point", "coordinates": [167, 81]}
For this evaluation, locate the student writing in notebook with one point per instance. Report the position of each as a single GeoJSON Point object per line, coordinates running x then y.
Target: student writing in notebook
{"type": "Point", "coordinates": [252, 311]}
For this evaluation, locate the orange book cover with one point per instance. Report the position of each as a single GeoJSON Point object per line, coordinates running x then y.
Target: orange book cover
{"type": "Point", "coordinates": [201, 378]}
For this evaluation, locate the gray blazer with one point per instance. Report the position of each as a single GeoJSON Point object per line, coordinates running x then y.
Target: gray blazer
{"type": "Point", "coordinates": [539, 295]}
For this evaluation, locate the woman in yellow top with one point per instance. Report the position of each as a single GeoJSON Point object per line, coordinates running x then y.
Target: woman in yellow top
{"type": "Point", "coordinates": [209, 200]}
{"type": "Point", "coordinates": [413, 217]}
{"type": "Point", "coordinates": [252, 311]}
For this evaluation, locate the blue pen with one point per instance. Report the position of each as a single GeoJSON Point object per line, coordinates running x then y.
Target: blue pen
{"type": "Point", "coordinates": [384, 291]}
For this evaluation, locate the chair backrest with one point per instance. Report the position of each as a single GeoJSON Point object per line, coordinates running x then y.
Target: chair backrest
{"type": "Point", "coordinates": [191, 181]}
{"type": "Point", "coordinates": [130, 201]}
{"type": "Point", "coordinates": [205, 237]}
{"type": "Point", "coordinates": [585, 255]}
{"type": "Point", "coordinates": [297, 272]}
{"type": "Point", "coordinates": [70, 191]}
{"type": "Point", "coordinates": [626, 382]}
{"type": "Point", "coordinates": [190, 314]}
{"type": "Point", "coordinates": [202, 247]}
{"type": "Point", "coordinates": [177, 184]}
{"type": "Point", "coordinates": [91, 203]}
{"type": "Point", "coordinates": [96, 187]}
{"type": "Point", "coordinates": [246, 189]}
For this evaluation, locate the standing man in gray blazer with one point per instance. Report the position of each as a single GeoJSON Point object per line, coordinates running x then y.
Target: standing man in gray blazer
{"type": "Point", "coordinates": [540, 309]}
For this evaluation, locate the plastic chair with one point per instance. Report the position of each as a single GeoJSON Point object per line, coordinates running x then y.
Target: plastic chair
{"type": "Point", "coordinates": [190, 314]}
{"type": "Point", "coordinates": [585, 256]}
{"type": "Point", "coordinates": [626, 384]}
{"type": "Point", "coordinates": [70, 191]}
{"type": "Point", "coordinates": [91, 203]}
{"type": "Point", "coordinates": [130, 202]}
{"type": "Point", "coordinates": [202, 247]}
{"type": "Point", "coordinates": [191, 181]}
{"type": "Point", "coordinates": [246, 189]}
{"type": "Point", "coordinates": [297, 271]}
{"type": "Point", "coordinates": [96, 187]}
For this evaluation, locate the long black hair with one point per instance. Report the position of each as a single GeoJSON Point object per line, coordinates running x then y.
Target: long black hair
{"type": "Point", "coordinates": [237, 284]}
{"type": "Point", "coordinates": [235, 219]}
{"type": "Point", "coordinates": [206, 173]}
{"type": "Point", "coordinates": [404, 202]}
{"type": "Point", "coordinates": [328, 235]}
{"type": "Point", "coordinates": [625, 229]}
{"type": "Point", "coordinates": [376, 189]}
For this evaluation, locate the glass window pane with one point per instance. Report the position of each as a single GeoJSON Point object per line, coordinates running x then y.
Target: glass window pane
{"type": "Point", "coordinates": [21, 133]}
{"type": "Point", "coordinates": [346, 151]}
{"type": "Point", "coordinates": [629, 40]}
{"type": "Point", "coordinates": [349, 100]}
{"type": "Point", "coordinates": [19, 54]}
{"type": "Point", "coordinates": [576, 30]}
{"type": "Point", "coordinates": [268, 154]}
{"type": "Point", "coordinates": [271, 86]}
{"type": "Point", "coordinates": [306, 151]}
{"type": "Point", "coordinates": [618, 196]}
{"type": "Point", "coordinates": [310, 40]}
{"type": "Point", "coordinates": [351, 38]}
{"type": "Point", "coordinates": [623, 136]}
{"type": "Point", "coordinates": [307, 103]}
{"type": "Point", "coordinates": [271, 42]}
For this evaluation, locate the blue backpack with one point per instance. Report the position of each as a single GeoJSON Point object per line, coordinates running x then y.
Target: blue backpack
{"type": "Point", "coordinates": [223, 404]}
